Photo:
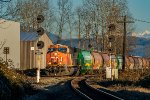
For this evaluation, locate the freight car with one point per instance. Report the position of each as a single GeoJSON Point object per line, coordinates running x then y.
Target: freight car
{"type": "Point", "coordinates": [62, 60]}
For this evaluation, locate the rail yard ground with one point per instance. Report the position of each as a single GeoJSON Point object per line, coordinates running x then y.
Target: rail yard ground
{"type": "Point", "coordinates": [131, 84]}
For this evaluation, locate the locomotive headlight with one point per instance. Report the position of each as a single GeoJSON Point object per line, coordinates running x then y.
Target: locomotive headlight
{"type": "Point", "coordinates": [50, 63]}
{"type": "Point", "coordinates": [60, 58]}
{"type": "Point", "coordinates": [55, 54]}
{"type": "Point", "coordinates": [60, 63]}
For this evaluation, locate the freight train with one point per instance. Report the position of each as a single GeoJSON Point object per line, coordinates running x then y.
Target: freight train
{"type": "Point", "coordinates": [62, 60]}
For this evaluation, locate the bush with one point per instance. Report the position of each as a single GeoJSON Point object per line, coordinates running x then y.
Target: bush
{"type": "Point", "coordinates": [12, 85]}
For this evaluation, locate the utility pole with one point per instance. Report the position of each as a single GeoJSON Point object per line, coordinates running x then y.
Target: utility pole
{"type": "Point", "coordinates": [124, 38]}
{"type": "Point", "coordinates": [79, 33]}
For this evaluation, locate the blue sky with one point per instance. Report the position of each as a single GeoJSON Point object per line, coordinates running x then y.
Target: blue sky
{"type": "Point", "coordinates": [140, 9]}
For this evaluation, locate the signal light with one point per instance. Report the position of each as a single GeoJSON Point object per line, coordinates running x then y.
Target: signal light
{"type": "Point", "coordinates": [75, 49]}
{"type": "Point", "coordinates": [40, 44]}
{"type": "Point", "coordinates": [6, 50]}
{"type": "Point", "coordinates": [111, 38]}
{"type": "Point", "coordinates": [40, 31]}
{"type": "Point", "coordinates": [112, 27]}
{"type": "Point", "coordinates": [90, 45]}
{"type": "Point", "coordinates": [40, 18]}
{"type": "Point", "coordinates": [111, 50]}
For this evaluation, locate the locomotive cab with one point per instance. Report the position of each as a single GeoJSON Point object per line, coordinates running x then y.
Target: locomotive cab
{"type": "Point", "coordinates": [58, 57]}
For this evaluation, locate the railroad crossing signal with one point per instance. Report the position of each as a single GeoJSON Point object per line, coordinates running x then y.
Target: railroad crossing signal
{"type": "Point", "coordinates": [6, 50]}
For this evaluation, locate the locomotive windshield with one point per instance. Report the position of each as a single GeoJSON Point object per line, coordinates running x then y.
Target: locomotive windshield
{"type": "Point", "coordinates": [51, 49]}
{"type": "Point", "coordinates": [64, 50]}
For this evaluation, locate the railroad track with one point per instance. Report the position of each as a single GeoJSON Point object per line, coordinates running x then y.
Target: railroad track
{"type": "Point", "coordinates": [88, 93]}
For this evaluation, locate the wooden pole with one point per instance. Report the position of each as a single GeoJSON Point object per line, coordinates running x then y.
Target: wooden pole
{"type": "Point", "coordinates": [124, 43]}
{"type": "Point", "coordinates": [124, 38]}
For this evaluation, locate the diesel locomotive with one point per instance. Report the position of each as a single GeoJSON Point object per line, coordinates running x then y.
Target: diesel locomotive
{"type": "Point", "coordinates": [62, 60]}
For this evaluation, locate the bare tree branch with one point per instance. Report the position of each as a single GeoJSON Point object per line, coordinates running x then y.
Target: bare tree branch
{"type": "Point", "coordinates": [2, 44]}
{"type": "Point", "coordinates": [5, 0]}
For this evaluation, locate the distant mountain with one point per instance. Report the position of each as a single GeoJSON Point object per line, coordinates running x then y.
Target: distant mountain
{"type": "Point", "coordinates": [139, 40]}
{"type": "Point", "coordinates": [74, 42]}
{"type": "Point", "coordinates": [141, 46]}
{"type": "Point", "coordinates": [55, 38]}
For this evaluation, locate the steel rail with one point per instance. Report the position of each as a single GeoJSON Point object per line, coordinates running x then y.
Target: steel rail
{"type": "Point", "coordinates": [87, 92]}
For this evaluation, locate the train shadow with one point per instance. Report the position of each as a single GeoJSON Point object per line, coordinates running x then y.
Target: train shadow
{"type": "Point", "coordinates": [59, 91]}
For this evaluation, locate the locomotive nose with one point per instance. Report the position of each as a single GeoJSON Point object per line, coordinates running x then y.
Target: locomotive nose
{"type": "Point", "coordinates": [54, 60]}
{"type": "Point", "coordinates": [55, 54]}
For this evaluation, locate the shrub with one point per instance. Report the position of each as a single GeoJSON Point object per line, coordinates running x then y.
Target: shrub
{"type": "Point", "coordinates": [12, 85]}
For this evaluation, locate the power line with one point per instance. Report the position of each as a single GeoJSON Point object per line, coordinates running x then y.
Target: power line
{"type": "Point", "coordinates": [141, 20]}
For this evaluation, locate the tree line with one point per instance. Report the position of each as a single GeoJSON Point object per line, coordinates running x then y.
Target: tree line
{"type": "Point", "coordinates": [89, 21]}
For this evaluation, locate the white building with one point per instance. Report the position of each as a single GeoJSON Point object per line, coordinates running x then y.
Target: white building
{"type": "Point", "coordinates": [10, 36]}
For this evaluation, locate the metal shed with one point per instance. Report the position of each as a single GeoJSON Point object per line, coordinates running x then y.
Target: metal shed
{"type": "Point", "coordinates": [28, 48]}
